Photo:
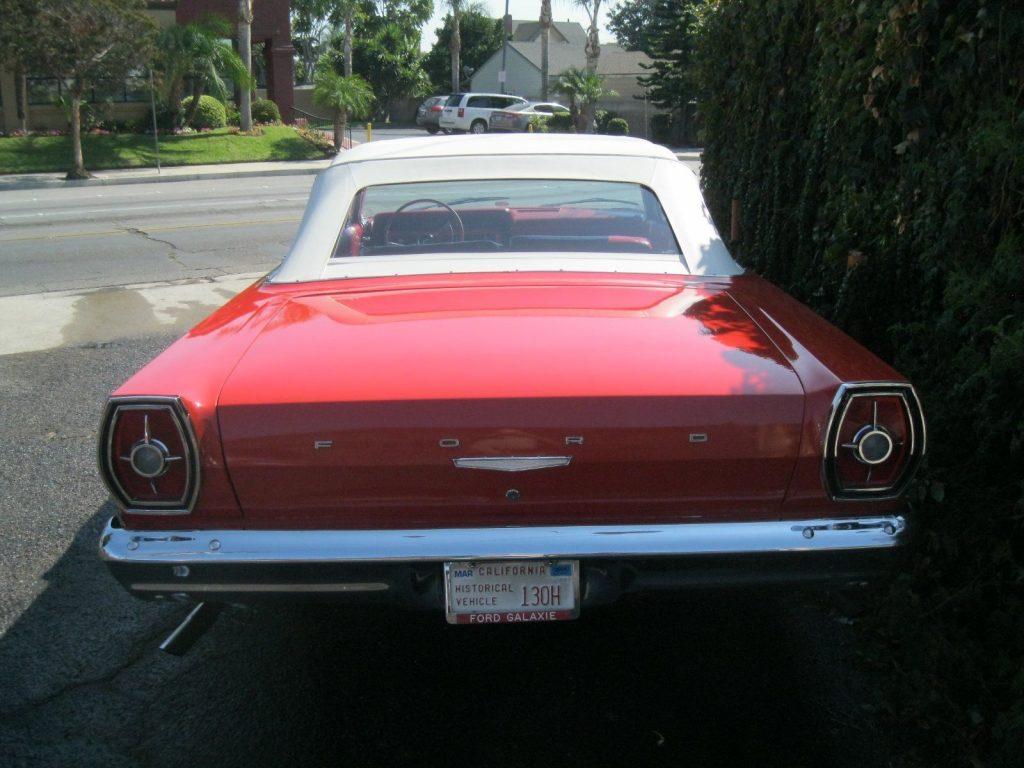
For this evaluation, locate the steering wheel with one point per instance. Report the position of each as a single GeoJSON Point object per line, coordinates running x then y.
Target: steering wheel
{"type": "Point", "coordinates": [454, 223]}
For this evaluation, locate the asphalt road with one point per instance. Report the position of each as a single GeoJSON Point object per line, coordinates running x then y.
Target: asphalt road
{"type": "Point", "coordinates": [745, 678]}
{"type": "Point", "coordinates": [57, 239]}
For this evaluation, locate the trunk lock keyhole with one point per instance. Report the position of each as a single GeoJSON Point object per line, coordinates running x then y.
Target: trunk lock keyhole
{"type": "Point", "coordinates": [512, 494]}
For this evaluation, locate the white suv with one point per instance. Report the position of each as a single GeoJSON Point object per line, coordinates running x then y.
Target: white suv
{"type": "Point", "coordinates": [472, 111]}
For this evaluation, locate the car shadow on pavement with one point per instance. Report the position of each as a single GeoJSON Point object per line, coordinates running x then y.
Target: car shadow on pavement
{"type": "Point", "coordinates": [705, 680]}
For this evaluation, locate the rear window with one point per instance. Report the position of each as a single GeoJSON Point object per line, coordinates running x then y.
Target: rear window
{"type": "Point", "coordinates": [454, 99]}
{"type": "Point", "coordinates": [511, 215]}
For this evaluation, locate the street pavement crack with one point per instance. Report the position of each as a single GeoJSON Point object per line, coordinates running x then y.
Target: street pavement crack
{"type": "Point", "coordinates": [173, 255]}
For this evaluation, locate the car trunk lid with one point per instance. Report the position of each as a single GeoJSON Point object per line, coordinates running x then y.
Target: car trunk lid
{"type": "Point", "coordinates": [559, 400]}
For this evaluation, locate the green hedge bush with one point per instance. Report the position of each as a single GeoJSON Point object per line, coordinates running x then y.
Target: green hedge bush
{"type": "Point", "coordinates": [617, 126]}
{"type": "Point", "coordinates": [877, 153]}
{"type": "Point", "coordinates": [265, 111]}
{"type": "Point", "coordinates": [210, 114]}
{"type": "Point", "coordinates": [561, 123]}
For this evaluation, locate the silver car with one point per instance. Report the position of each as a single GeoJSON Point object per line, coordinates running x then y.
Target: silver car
{"type": "Point", "coordinates": [429, 113]}
{"type": "Point", "coordinates": [517, 117]}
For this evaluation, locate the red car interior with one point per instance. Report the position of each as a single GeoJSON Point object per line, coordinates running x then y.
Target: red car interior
{"type": "Point", "coordinates": [554, 228]}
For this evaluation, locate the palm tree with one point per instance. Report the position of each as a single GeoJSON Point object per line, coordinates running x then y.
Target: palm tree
{"type": "Point", "coordinates": [344, 95]}
{"type": "Point", "coordinates": [455, 46]}
{"type": "Point", "coordinates": [583, 90]}
{"type": "Point", "coordinates": [197, 56]}
{"type": "Point", "coordinates": [245, 52]}
{"type": "Point", "coordinates": [592, 49]}
{"type": "Point", "coordinates": [545, 38]}
{"type": "Point", "coordinates": [348, 9]}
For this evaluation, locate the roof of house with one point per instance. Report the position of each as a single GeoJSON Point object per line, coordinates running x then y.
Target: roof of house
{"type": "Point", "coordinates": [529, 30]}
{"type": "Point", "coordinates": [614, 60]}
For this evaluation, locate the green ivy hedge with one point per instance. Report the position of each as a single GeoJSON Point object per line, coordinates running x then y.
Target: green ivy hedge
{"type": "Point", "coordinates": [877, 153]}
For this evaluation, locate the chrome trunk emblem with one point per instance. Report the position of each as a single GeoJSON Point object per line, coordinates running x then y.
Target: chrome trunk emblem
{"type": "Point", "coordinates": [512, 463]}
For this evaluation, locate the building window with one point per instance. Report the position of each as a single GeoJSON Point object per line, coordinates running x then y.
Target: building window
{"type": "Point", "coordinates": [43, 90]}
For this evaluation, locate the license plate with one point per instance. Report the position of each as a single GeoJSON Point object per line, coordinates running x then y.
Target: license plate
{"type": "Point", "coordinates": [509, 591]}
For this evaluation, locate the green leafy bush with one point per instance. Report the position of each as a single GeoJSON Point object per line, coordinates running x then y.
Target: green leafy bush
{"type": "Point", "coordinates": [265, 111]}
{"type": "Point", "coordinates": [561, 123]}
{"type": "Point", "coordinates": [617, 126]}
{"type": "Point", "coordinates": [877, 154]}
{"type": "Point", "coordinates": [232, 114]}
{"type": "Point", "coordinates": [538, 124]}
{"type": "Point", "coordinates": [209, 114]}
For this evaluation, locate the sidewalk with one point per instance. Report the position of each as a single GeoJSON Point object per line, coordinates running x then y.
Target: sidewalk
{"type": "Point", "coordinates": [197, 172]}
{"type": "Point", "coordinates": [175, 173]}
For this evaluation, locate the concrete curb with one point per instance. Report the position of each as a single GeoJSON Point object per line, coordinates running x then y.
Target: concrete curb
{"type": "Point", "coordinates": [103, 181]}
{"type": "Point", "coordinates": [301, 168]}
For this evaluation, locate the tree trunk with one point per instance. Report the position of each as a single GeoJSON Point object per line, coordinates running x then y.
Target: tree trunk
{"type": "Point", "coordinates": [339, 127]}
{"type": "Point", "coordinates": [197, 94]}
{"type": "Point", "coordinates": [347, 45]}
{"type": "Point", "coordinates": [592, 50]}
{"type": "Point", "coordinates": [78, 162]}
{"type": "Point", "coordinates": [456, 46]}
{"type": "Point", "coordinates": [545, 39]}
{"type": "Point", "coordinates": [245, 52]}
{"type": "Point", "coordinates": [21, 98]}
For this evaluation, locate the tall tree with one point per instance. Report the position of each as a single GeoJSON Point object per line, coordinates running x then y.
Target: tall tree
{"type": "Point", "coordinates": [82, 43]}
{"type": "Point", "coordinates": [592, 48]}
{"type": "Point", "coordinates": [312, 19]}
{"type": "Point", "coordinates": [632, 23]}
{"type": "Point", "coordinates": [672, 40]}
{"type": "Point", "coordinates": [345, 95]}
{"type": "Point", "coordinates": [311, 22]}
{"type": "Point", "coordinates": [545, 42]}
{"type": "Point", "coordinates": [388, 57]}
{"type": "Point", "coordinates": [245, 51]}
{"type": "Point", "coordinates": [481, 37]}
{"type": "Point", "coordinates": [455, 43]}
{"type": "Point", "coordinates": [347, 10]}
{"type": "Point", "coordinates": [16, 15]}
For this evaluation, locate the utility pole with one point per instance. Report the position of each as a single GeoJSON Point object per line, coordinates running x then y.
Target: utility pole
{"type": "Point", "coordinates": [507, 27]}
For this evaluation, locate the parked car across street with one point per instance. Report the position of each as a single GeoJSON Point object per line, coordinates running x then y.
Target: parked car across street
{"type": "Point", "coordinates": [518, 116]}
{"type": "Point", "coordinates": [471, 112]}
{"type": "Point", "coordinates": [429, 113]}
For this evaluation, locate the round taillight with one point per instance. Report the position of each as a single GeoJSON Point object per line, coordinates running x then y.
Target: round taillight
{"type": "Point", "coordinates": [148, 455]}
{"type": "Point", "coordinates": [874, 441]}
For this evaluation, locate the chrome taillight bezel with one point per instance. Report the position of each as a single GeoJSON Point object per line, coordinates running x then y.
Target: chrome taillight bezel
{"type": "Point", "coordinates": [182, 505]}
{"type": "Point", "coordinates": [846, 395]}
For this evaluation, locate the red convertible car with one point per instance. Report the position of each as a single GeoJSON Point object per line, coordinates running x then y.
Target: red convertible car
{"type": "Point", "coordinates": [506, 378]}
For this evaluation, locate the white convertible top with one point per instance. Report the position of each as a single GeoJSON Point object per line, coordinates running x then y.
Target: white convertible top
{"type": "Point", "coordinates": [503, 144]}
{"type": "Point", "coordinates": [509, 156]}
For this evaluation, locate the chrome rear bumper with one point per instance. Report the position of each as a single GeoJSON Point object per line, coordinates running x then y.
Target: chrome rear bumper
{"type": "Point", "coordinates": [201, 564]}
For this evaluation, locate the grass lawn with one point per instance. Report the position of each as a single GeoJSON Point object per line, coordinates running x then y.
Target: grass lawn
{"type": "Point", "coordinates": [36, 154]}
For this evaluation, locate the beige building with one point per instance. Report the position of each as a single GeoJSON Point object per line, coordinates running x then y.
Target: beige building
{"type": "Point", "coordinates": [619, 68]}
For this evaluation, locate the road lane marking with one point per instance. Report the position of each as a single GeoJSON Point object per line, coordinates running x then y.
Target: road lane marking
{"type": "Point", "coordinates": [107, 233]}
